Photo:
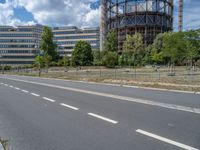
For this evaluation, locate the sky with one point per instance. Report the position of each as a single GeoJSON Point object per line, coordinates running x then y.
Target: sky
{"type": "Point", "coordinates": [81, 13]}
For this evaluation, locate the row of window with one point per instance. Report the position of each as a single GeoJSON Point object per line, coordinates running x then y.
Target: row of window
{"type": "Point", "coordinates": [19, 46]}
{"type": "Point", "coordinates": [19, 35]}
{"type": "Point", "coordinates": [18, 40]}
{"type": "Point", "coordinates": [74, 42]}
{"type": "Point", "coordinates": [75, 32]}
{"type": "Point", "coordinates": [18, 62]}
{"type": "Point", "coordinates": [60, 48]}
{"type": "Point", "coordinates": [75, 37]}
{"type": "Point", "coordinates": [18, 51]}
{"type": "Point", "coordinates": [17, 57]}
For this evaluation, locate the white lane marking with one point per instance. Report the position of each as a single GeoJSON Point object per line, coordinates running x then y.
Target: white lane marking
{"type": "Point", "coordinates": [6, 84]}
{"type": "Point", "coordinates": [35, 94]}
{"type": "Point", "coordinates": [69, 106]}
{"type": "Point", "coordinates": [140, 101]}
{"type": "Point", "coordinates": [25, 91]}
{"type": "Point", "coordinates": [11, 86]}
{"type": "Point", "coordinates": [103, 118]}
{"type": "Point", "coordinates": [16, 88]}
{"type": "Point", "coordinates": [48, 99]}
{"type": "Point", "coordinates": [166, 140]}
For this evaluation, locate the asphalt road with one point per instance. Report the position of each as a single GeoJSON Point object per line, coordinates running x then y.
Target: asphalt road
{"type": "Point", "coordinates": [47, 114]}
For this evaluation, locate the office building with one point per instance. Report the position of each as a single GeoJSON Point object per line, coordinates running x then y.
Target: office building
{"type": "Point", "coordinates": [19, 45]}
{"type": "Point", "coordinates": [67, 37]}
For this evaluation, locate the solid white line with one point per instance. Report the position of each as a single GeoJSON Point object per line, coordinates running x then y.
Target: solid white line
{"type": "Point", "coordinates": [103, 118]}
{"type": "Point", "coordinates": [25, 91]}
{"type": "Point", "coordinates": [166, 140]}
{"type": "Point", "coordinates": [140, 101]}
{"type": "Point", "coordinates": [48, 99]}
{"type": "Point", "coordinates": [69, 106]}
{"type": "Point", "coordinates": [35, 94]}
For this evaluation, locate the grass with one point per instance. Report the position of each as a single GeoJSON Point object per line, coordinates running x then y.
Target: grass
{"type": "Point", "coordinates": [148, 77]}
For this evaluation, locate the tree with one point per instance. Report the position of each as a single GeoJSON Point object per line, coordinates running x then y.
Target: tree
{"type": "Point", "coordinates": [192, 46]}
{"type": "Point", "coordinates": [82, 54]}
{"type": "Point", "coordinates": [47, 44]}
{"type": "Point", "coordinates": [156, 49]}
{"type": "Point", "coordinates": [66, 61]}
{"type": "Point", "coordinates": [174, 48]}
{"type": "Point", "coordinates": [133, 46]}
{"type": "Point", "coordinates": [97, 55]}
{"type": "Point", "coordinates": [47, 59]}
{"type": "Point", "coordinates": [39, 63]}
{"type": "Point", "coordinates": [111, 41]}
{"type": "Point", "coordinates": [110, 59]}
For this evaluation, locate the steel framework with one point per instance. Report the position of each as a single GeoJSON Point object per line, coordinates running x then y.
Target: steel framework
{"type": "Point", "coordinates": [148, 17]}
{"type": "Point", "coordinates": [180, 16]}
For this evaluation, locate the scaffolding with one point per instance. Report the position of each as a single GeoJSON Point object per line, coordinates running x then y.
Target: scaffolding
{"type": "Point", "coordinates": [148, 17]}
{"type": "Point", "coordinates": [180, 16]}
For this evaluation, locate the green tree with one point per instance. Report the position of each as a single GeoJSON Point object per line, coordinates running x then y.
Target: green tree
{"type": "Point", "coordinates": [66, 61]}
{"type": "Point", "coordinates": [82, 54]}
{"type": "Point", "coordinates": [192, 46]}
{"type": "Point", "coordinates": [47, 44]}
{"type": "Point", "coordinates": [111, 41]}
{"type": "Point", "coordinates": [133, 46]}
{"type": "Point", "coordinates": [47, 59]}
{"type": "Point", "coordinates": [39, 63]}
{"type": "Point", "coordinates": [97, 57]}
{"type": "Point", "coordinates": [174, 46]}
{"type": "Point", "coordinates": [157, 49]}
{"type": "Point", "coordinates": [110, 59]}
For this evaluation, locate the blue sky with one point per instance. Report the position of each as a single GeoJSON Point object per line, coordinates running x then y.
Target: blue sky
{"type": "Point", "coordinates": [82, 13]}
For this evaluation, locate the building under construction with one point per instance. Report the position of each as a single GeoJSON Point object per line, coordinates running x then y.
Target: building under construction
{"type": "Point", "coordinates": [148, 17]}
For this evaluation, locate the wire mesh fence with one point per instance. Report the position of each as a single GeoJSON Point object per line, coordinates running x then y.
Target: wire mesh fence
{"type": "Point", "coordinates": [179, 76]}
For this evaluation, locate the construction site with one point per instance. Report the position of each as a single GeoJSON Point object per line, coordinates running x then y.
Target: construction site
{"type": "Point", "coordinates": [148, 17]}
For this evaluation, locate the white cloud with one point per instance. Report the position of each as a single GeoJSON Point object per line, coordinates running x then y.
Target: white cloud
{"type": "Point", "coordinates": [79, 13]}
{"type": "Point", "coordinates": [7, 16]}
{"type": "Point", "coordinates": [62, 12]}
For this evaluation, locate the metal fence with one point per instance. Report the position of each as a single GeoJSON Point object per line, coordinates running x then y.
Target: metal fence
{"type": "Point", "coordinates": [180, 76]}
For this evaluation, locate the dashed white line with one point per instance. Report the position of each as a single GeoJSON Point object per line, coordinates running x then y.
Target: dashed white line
{"type": "Point", "coordinates": [69, 106]}
{"type": "Point", "coordinates": [35, 94]}
{"type": "Point", "coordinates": [103, 118]}
{"type": "Point", "coordinates": [6, 84]}
{"type": "Point", "coordinates": [166, 140]}
{"type": "Point", "coordinates": [25, 91]}
{"type": "Point", "coordinates": [16, 88]}
{"type": "Point", "coordinates": [11, 86]}
{"type": "Point", "coordinates": [48, 99]}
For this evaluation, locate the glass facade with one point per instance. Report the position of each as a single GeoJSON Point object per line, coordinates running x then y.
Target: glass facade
{"type": "Point", "coordinates": [19, 45]}
{"type": "Point", "coordinates": [67, 37]}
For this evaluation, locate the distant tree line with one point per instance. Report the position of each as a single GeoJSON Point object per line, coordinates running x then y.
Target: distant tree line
{"type": "Point", "coordinates": [170, 48]}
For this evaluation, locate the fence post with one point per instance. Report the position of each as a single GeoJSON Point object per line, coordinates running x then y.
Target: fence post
{"type": "Point", "coordinates": [115, 73]}
{"type": "Point", "coordinates": [100, 72]}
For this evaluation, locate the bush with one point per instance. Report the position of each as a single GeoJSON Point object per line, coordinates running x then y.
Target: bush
{"type": "Point", "coordinates": [6, 68]}
{"type": "Point", "coordinates": [110, 59]}
{"type": "Point", "coordinates": [198, 63]}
